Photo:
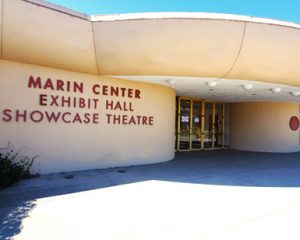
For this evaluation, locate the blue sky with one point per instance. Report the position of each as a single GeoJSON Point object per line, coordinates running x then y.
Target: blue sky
{"type": "Point", "coordinates": [288, 10]}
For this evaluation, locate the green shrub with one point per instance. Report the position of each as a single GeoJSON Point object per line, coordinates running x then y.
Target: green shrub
{"type": "Point", "coordinates": [13, 166]}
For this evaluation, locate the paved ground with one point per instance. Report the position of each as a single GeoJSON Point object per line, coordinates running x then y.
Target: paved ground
{"type": "Point", "coordinates": [200, 195]}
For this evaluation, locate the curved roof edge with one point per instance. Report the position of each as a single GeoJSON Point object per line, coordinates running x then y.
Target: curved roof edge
{"type": "Point", "coordinates": [191, 15]}
{"type": "Point", "coordinates": [58, 8]}
{"type": "Point", "coordinates": [162, 15]}
{"type": "Point", "coordinates": [214, 45]}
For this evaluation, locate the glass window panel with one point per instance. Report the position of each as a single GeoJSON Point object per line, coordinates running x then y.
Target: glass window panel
{"type": "Point", "coordinates": [208, 126]}
{"type": "Point", "coordinates": [185, 112]}
{"type": "Point", "coordinates": [196, 131]}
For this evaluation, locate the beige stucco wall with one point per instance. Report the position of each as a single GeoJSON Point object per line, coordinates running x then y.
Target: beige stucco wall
{"type": "Point", "coordinates": [269, 54]}
{"type": "Point", "coordinates": [214, 48]}
{"type": "Point", "coordinates": [1, 2]}
{"type": "Point", "coordinates": [39, 35]}
{"type": "Point", "coordinates": [170, 47]}
{"type": "Point", "coordinates": [192, 45]}
{"type": "Point", "coordinates": [67, 147]}
{"type": "Point", "coordinates": [264, 127]}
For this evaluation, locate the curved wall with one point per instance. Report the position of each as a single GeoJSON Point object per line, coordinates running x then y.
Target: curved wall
{"type": "Point", "coordinates": [76, 145]}
{"type": "Point", "coordinates": [270, 53]}
{"type": "Point", "coordinates": [264, 127]}
{"type": "Point", "coordinates": [37, 34]}
{"type": "Point", "coordinates": [167, 47]}
{"type": "Point", "coordinates": [186, 44]}
{"type": "Point", "coordinates": [34, 32]}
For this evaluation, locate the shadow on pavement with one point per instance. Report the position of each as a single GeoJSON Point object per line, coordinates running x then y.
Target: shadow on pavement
{"type": "Point", "coordinates": [221, 167]}
{"type": "Point", "coordinates": [11, 219]}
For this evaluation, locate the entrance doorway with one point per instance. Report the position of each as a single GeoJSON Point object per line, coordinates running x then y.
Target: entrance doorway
{"type": "Point", "coordinates": [200, 124]}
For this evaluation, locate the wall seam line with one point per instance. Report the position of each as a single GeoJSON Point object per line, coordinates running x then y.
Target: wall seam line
{"type": "Point", "coordinates": [95, 49]}
{"type": "Point", "coordinates": [2, 25]}
{"type": "Point", "coordinates": [238, 54]}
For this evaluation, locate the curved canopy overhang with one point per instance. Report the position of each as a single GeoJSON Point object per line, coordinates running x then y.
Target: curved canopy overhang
{"type": "Point", "coordinates": [191, 45]}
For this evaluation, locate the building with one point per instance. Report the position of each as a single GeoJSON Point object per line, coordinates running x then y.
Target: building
{"type": "Point", "coordinates": [88, 92]}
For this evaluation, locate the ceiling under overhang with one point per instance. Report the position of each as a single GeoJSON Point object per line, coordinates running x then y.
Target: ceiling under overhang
{"type": "Point", "coordinates": [225, 90]}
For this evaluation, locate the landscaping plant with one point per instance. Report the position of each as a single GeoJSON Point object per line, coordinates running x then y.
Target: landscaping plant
{"type": "Point", "coordinates": [13, 166]}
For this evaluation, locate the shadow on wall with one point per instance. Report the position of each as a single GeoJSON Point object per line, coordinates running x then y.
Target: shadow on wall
{"type": "Point", "coordinates": [222, 167]}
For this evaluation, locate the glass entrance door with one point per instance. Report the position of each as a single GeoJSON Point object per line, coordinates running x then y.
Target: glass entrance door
{"type": "Point", "coordinates": [200, 124]}
{"type": "Point", "coordinates": [196, 124]}
{"type": "Point", "coordinates": [184, 124]}
{"type": "Point", "coordinates": [219, 125]}
{"type": "Point", "coordinates": [209, 130]}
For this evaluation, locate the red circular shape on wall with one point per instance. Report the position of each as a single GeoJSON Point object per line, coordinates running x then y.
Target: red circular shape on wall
{"type": "Point", "coordinates": [294, 123]}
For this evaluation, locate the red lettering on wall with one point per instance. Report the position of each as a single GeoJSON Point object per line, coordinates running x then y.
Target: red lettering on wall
{"type": "Point", "coordinates": [87, 118]}
{"type": "Point", "coordinates": [96, 89]}
{"type": "Point", "coordinates": [64, 117]}
{"type": "Point", "coordinates": [123, 90]}
{"type": "Point", "coordinates": [104, 90]}
{"type": "Point", "coordinates": [96, 101]}
{"type": "Point", "coordinates": [109, 105]}
{"type": "Point", "coordinates": [121, 106]}
{"type": "Point", "coordinates": [96, 118]}
{"type": "Point", "coordinates": [52, 116]}
{"type": "Point", "coordinates": [65, 101]}
{"type": "Point", "coordinates": [62, 101]}
{"type": "Point", "coordinates": [137, 94]}
{"type": "Point", "coordinates": [35, 83]}
{"type": "Point", "coordinates": [54, 101]}
{"type": "Point", "coordinates": [114, 91]}
{"type": "Point", "coordinates": [117, 119]}
{"type": "Point", "coordinates": [118, 106]}
{"type": "Point", "coordinates": [82, 103]}
{"type": "Point", "coordinates": [130, 92]}
{"type": "Point", "coordinates": [7, 115]}
{"type": "Point", "coordinates": [77, 118]}
{"type": "Point", "coordinates": [145, 120]}
{"type": "Point", "coordinates": [124, 119]}
{"type": "Point", "coordinates": [151, 120]}
{"type": "Point", "coordinates": [43, 100]}
{"type": "Point", "coordinates": [108, 118]}
{"type": "Point", "coordinates": [20, 115]}
{"type": "Point", "coordinates": [132, 121]}
{"type": "Point", "coordinates": [59, 85]}
{"type": "Point", "coordinates": [78, 87]}
{"type": "Point", "coordinates": [36, 116]}
{"type": "Point", "coordinates": [138, 119]}
{"type": "Point", "coordinates": [49, 84]}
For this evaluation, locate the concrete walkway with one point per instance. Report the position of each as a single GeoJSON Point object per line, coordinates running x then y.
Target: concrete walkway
{"type": "Point", "coordinates": [200, 195]}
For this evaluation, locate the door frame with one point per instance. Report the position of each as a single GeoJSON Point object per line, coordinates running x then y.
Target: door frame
{"type": "Point", "coordinates": [202, 126]}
